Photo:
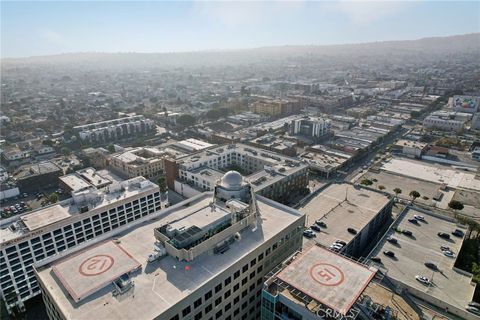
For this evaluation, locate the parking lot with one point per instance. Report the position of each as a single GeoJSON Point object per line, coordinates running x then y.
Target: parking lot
{"type": "Point", "coordinates": [411, 253]}
{"type": "Point", "coordinates": [391, 181]}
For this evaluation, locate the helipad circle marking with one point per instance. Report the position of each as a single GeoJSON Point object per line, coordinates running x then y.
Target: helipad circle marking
{"type": "Point", "coordinates": [327, 274]}
{"type": "Point", "coordinates": [96, 265]}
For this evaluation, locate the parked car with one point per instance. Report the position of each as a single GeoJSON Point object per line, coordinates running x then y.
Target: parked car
{"type": "Point", "coordinates": [419, 218]}
{"type": "Point", "coordinates": [352, 231]}
{"type": "Point", "coordinates": [458, 233]}
{"type": "Point", "coordinates": [443, 235]}
{"type": "Point", "coordinates": [321, 224]}
{"type": "Point", "coordinates": [343, 243]}
{"type": "Point", "coordinates": [413, 220]}
{"type": "Point", "coordinates": [314, 227]}
{"type": "Point", "coordinates": [473, 310]}
{"type": "Point", "coordinates": [390, 254]}
{"type": "Point", "coordinates": [445, 248]}
{"type": "Point", "coordinates": [309, 233]}
{"type": "Point", "coordinates": [392, 240]}
{"type": "Point", "coordinates": [474, 304]}
{"type": "Point", "coordinates": [407, 233]}
{"type": "Point", "coordinates": [422, 279]}
{"type": "Point", "coordinates": [449, 254]}
{"type": "Point", "coordinates": [376, 259]}
{"type": "Point", "coordinates": [431, 265]}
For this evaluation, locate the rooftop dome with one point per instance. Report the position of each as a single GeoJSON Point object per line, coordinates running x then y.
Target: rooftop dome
{"type": "Point", "coordinates": [232, 179]}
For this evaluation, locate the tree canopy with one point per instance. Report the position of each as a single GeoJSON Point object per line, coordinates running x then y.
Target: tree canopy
{"type": "Point", "coordinates": [186, 120]}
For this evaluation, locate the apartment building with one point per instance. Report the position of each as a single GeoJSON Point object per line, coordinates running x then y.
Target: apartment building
{"type": "Point", "coordinates": [114, 129]}
{"type": "Point", "coordinates": [203, 258]}
{"type": "Point", "coordinates": [273, 175]}
{"type": "Point", "coordinates": [46, 232]}
{"type": "Point", "coordinates": [146, 162]}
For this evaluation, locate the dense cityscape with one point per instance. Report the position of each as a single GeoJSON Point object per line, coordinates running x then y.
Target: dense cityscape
{"type": "Point", "coordinates": [288, 182]}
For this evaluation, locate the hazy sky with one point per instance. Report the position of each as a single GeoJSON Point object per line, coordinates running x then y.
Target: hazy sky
{"type": "Point", "coordinates": [41, 28]}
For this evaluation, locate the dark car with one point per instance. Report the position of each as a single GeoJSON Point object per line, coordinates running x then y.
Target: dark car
{"type": "Point", "coordinates": [390, 254]}
{"type": "Point", "coordinates": [392, 240]}
{"type": "Point", "coordinates": [321, 223]}
{"type": "Point", "coordinates": [414, 221]}
{"type": "Point", "coordinates": [407, 233]}
{"type": "Point", "coordinates": [314, 227]}
{"type": "Point", "coordinates": [352, 231]}
{"type": "Point", "coordinates": [376, 259]}
{"type": "Point", "coordinates": [458, 233]}
{"type": "Point", "coordinates": [431, 265]}
{"type": "Point", "coordinates": [443, 235]}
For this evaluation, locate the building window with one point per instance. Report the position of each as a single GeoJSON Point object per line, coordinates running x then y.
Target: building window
{"type": "Point", "coordinates": [236, 287]}
{"type": "Point", "coordinates": [198, 316]}
{"type": "Point", "coordinates": [208, 295]}
{"type": "Point", "coordinates": [227, 294]}
{"type": "Point", "coordinates": [236, 274]}
{"type": "Point", "coordinates": [245, 268]}
{"type": "Point", "coordinates": [208, 308]}
{"type": "Point", "coordinates": [218, 301]}
{"type": "Point", "coordinates": [253, 262]}
{"type": "Point", "coordinates": [218, 314]}
{"type": "Point", "coordinates": [176, 317]}
{"type": "Point", "coordinates": [197, 303]}
{"type": "Point", "coordinates": [218, 288]}
{"type": "Point", "coordinates": [186, 311]}
{"type": "Point", "coordinates": [227, 281]}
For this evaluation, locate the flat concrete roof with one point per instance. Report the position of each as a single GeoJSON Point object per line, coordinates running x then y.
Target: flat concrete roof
{"type": "Point", "coordinates": [92, 269]}
{"type": "Point", "coordinates": [44, 217]}
{"type": "Point", "coordinates": [359, 208]}
{"type": "Point", "coordinates": [74, 182]}
{"type": "Point", "coordinates": [161, 284]}
{"type": "Point", "coordinates": [434, 173]}
{"type": "Point", "coordinates": [412, 252]}
{"type": "Point", "coordinates": [327, 277]}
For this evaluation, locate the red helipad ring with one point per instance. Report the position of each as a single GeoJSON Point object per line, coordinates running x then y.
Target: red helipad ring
{"type": "Point", "coordinates": [326, 274]}
{"type": "Point", "coordinates": [96, 265]}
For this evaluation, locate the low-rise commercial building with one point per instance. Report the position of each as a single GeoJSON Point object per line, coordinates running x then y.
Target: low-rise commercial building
{"type": "Point", "coordinates": [41, 175]}
{"type": "Point", "coordinates": [410, 148]}
{"type": "Point", "coordinates": [443, 123]}
{"type": "Point", "coordinates": [203, 258]}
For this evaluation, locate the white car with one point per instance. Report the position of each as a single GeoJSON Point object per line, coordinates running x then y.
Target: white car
{"type": "Point", "coordinates": [449, 253]}
{"type": "Point", "coordinates": [419, 218]}
{"type": "Point", "coordinates": [421, 279]}
{"type": "Point", "coordinates": [473, 310]}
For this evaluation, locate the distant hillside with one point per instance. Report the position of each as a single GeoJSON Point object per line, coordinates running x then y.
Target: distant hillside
{"type": "Point", "coordinates": [423, 48]}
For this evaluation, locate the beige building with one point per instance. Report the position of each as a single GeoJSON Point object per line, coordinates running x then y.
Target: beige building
{"type": "Point", "coordinates": [204, 258]}
{"type": "Point", "coordinates": [146, 162]}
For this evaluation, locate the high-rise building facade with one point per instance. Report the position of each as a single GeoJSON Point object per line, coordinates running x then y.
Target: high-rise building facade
{"type": "Point", "coordinates": [49, 231]}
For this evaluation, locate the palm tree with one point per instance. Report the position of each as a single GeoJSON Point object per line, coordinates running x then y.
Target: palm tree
{"type": "Point", "coordinates": [414, 194]}
{"type": "Point", "coordinates": [397, 191]}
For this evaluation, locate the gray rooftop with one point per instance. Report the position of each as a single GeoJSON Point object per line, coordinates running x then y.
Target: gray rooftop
{"type": "Point", "coordinates": [411, 253]}
{"type": "Point", "coordinates": [343, 206]}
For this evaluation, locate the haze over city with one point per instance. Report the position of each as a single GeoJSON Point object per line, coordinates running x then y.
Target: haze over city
{"type": "Point", "coordinates": [53, 27]}
{"type": "Point", "coordinates": [190, 160]}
